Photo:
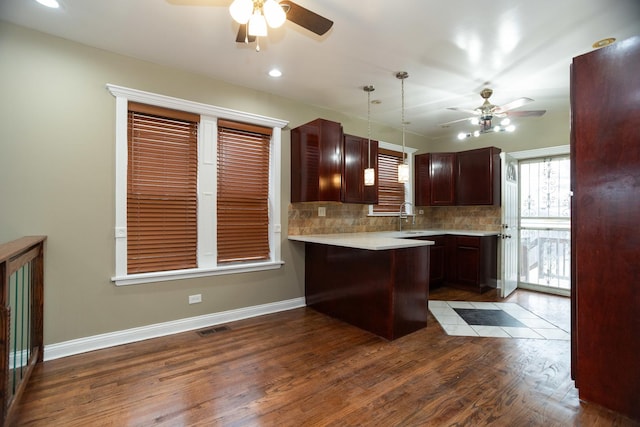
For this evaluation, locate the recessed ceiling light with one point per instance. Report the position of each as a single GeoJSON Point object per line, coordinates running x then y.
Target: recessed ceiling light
{"type": "Point", "coordinates": [275, 73]}
{"type": "Point", "coordinates": [603, 43]}
{"type": "Point", "coordinates": [49, 3]}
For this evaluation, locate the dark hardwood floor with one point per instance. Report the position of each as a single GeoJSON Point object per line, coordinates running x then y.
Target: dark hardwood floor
{"type": "Point", "coordinates": [301, 368]}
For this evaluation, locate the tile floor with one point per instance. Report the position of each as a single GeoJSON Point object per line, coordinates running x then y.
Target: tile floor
{"type": "Point", "coordinates": [493, 319]}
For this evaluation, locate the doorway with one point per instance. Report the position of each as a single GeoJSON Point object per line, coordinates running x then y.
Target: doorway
{"type": "Point", "coordinates": [545, 224]}
{"type": "Point", "coordinates": [543, 248]}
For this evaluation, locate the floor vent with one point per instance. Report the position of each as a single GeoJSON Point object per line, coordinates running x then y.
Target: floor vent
{"type": "Point", "coordinates": [211, 331]}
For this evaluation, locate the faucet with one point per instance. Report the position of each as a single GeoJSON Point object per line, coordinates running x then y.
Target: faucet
{"type": "Point", "coordinates": [406, 214]}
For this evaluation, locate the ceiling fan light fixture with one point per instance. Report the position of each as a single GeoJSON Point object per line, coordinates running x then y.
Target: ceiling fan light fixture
{"type": "Point", "coordinates": [257, 25]}
{"type": "Point", "coordinates": [274, 13]}
{"type": "Point", "coordinates": [510, 128]}
{"type": "Point", "coordinates": [505, 121]}
{"type": "Point", "coordinates": [240, 10]}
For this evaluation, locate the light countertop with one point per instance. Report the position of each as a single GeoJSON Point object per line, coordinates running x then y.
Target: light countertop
{"type": "Point", "coordinates": [383, 240]}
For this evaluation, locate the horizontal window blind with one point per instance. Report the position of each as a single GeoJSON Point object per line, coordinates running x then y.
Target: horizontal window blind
{"type": "Point", "coordinates": [390, 191]}
{"type": "Point", "coordinates": [243, 192]}
{"type": "Point", "coordinates": [161, 189]}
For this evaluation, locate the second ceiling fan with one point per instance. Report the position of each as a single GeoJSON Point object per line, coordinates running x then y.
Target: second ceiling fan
{"type": "Point", "coordinates": [485, 113]}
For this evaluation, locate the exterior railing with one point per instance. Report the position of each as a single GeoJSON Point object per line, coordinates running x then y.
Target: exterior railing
{"type": "Point", "coordinates": [545, 257]}
{"type": "Point", "coordinates": [21, 317]}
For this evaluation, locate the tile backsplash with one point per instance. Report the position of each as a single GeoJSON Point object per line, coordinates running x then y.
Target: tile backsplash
{"type": "Point", "coordinates": [352, 218]}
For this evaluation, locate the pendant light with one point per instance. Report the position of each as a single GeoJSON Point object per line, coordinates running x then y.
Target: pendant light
{"type": "Point", "coordinates": [369, 172]}
{"type": "Point", "coordinates": [403, 169]}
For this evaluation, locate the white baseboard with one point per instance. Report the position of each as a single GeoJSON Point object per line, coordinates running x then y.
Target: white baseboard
{"type": "Point", "coordinates": [96, 342]}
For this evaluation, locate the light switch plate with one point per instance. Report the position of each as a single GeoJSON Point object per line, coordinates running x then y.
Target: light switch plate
{"type": "Point", "coordinates": [322, 211]}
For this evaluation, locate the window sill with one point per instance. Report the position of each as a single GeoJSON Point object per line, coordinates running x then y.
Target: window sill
{"type": "Point", "coordinates": [162, 276]}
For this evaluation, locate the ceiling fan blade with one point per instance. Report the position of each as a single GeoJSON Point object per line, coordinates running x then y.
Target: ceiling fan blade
{"type": "Point", "coordinates": [528, 113]}
{"type": "Point", "coordinates": [306, 18]}
{"type": "Point", "coordinates": [445, 125]}
{"type": "Point", "coordinates": [242, 35]}
{"type": "Point", "coordinates": [513, 104]}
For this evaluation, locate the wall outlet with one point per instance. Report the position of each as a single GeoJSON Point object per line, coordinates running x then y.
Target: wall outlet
{"type": "Point", "coordinates": [322, 211]}
{"type": "Point", "coordinates": [194, 299]}
{"type": "Point", "coordinates": [421, 212]}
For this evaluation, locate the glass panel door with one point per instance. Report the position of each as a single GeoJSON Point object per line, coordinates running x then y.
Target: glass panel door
{"type": "Point", "coordinates": [545, 217]}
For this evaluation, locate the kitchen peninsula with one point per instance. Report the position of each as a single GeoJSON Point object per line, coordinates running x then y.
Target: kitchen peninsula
{"type": "Point", "coordinates": [375, 281]}
{"type": "Point", "coordinates": [379, 281]}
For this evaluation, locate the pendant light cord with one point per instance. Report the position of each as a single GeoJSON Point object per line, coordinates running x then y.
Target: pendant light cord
{"type": "Point", "coordinates": [403, 155]}
{"type": "Point", "coordinates": [402, 75]}
{"type": "Point", "coordinates": [369, 126]}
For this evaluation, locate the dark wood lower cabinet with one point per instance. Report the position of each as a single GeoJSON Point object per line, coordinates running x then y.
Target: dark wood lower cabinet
{"type": "Point", "coordinates": [384, 292]}
{"type": "Point", "coordinates": [468, 262]}
{"type": "Point", "coordinates": [475, 262]}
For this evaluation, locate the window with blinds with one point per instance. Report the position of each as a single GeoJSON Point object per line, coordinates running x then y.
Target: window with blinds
{"type": "Point", "coordinates": [390, 191]}
{"type": "Point", "coordinates": [161, 189]}
{"type": "Point", "coordinates": [243, 192]}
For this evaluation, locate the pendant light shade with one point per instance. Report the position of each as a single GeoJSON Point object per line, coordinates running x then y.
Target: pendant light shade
{"type": "Point", "coordinates": [369, 172]}
{"type": "Point", "coordinates": [369, 177]}
{"type": "Point", "coordinates": [403, 173]}
{"type": "Point", "coordinates": [403, 169]}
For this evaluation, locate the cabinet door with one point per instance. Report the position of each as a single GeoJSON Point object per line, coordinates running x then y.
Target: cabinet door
{"type": "Point", "coordinates": [478, 177]}
{"type": "Point", "coordinates": [355, 154]}
{"type": "Point", "coordinates": [316, 162]}
{"type": "Point", "coordinates": [442, 178]}
{"type": "Point", "coordinates": [422, 180]}
{"type": "Point", "coordinates": [468, 257]}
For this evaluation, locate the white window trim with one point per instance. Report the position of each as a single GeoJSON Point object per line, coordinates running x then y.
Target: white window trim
{"type": "Point", "coordinates": [207, 140]}
{"type": "Point", "coordinates": [408, 186]}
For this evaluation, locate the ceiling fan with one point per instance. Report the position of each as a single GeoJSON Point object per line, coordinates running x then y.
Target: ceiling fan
{"type": "Point", "coordinates": [269, 8]}
{"type": "Point", "coordinates": [485, 113]}
{"type": "Point", "coordinates": [254, 16]}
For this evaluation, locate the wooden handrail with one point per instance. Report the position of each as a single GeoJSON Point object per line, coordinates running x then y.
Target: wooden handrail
{"type": "Point", "coordinates": [13, 257]}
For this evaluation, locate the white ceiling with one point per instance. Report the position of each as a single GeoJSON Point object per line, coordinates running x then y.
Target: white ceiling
{"type": "Point", "coordinates": [451, 49]}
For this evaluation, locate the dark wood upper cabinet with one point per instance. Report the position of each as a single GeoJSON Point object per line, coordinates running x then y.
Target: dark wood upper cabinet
{"type": "Point", "coordinates": [443, 179]}
{"type": "Point", "coordinates": [435, 179]}
{"type": "Point", "coordinates": [478, 177]}
{"type": "Point", "coordinates": [422, 186]}
{"type": "Point", "coordinates": [328, 166]}
{"type": "Point", "coordinates": [465, 178]}
{"type": "Point", "coordinates": [355, 152]}
{"type": "Point", "coordinates": [316, 161]}
{"type": "Point", "coordinates": [605, 240]}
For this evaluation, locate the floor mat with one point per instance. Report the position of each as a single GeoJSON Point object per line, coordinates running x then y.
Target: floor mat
{"type": "Point", "coordinates": [493, 319]}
